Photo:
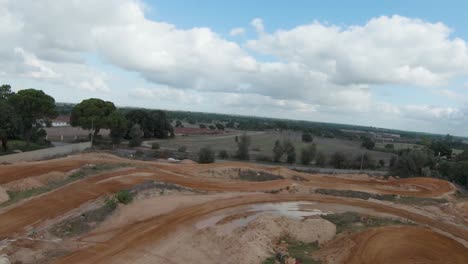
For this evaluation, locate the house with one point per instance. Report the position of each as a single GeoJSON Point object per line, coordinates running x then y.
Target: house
{"type": "Point", "coordinates": [61, 121]}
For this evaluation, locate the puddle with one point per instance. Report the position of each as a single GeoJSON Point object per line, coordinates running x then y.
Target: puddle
{"type": "Point", "coordinates": [246, 214]}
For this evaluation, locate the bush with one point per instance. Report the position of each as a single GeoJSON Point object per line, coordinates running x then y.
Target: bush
{"type": "Point", "coordinates": [223, 154]}
{"type": "Point", "coordinates": [264, 158]}
{"type": "Point", "coordinates": [206, 155]}
{"type": "Point", "coordinates": [321, 159]}
{"type": "Point", "coordinates": [290, 152]}
{"type": "Point", "coordinates": [243, 148]}
{"type": "Point", "coordinates": [338, 160]}
{"type": "Point", "coordinates": [155, 146]}
{"type": "Point", "coordinates": [306, 137]}
{"type": "Point", "coordinates": [136, 135]}
{"type": "Point", "coordinates": [124, 196]}
{"type": "Point", "coordinates": [202, 126]}
{"type": "Point", "coordinates": [182, 149]}
{"type": "Point", "coordinates": [111, 204]}
{"type": "Point", "coordinates": [278, 151]}
{"type": "Point", "coordinates": [308, 154]}
{"type": "Point", "coordinates": [367, 143]}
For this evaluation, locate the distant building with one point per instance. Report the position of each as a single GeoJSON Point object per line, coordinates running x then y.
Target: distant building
{"type": "Point", "coordinates": [61, 121]}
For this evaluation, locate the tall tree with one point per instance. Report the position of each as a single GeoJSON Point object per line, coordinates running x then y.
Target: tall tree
{"type": "Point", "coordinates": [5, 92]}
{"type": "Point", "coordinates": [278, 151]}
{"type": "Point", "coordinates": [243, 147]}
{"type": "Point", "coordinates": [34, 107]}
{"type": "Point", "coordinates": [92, 114]}
{"type": "Point", "coordinates": [118, 126]}
{"type": "Point", "coordinates": [9, 123]}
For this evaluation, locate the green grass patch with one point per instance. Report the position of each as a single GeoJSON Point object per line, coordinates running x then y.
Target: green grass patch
{"type": "Point", "coordinates": [16, 196]}
{"type": "Point", "coordinates": [350, 221]}
{"type": "Point", "coordinates": [302, 251]}
{"type": "Point", "coordinates": [83, 223]}
{"type": "Point", "coordinates": [21, 145]}
{"type": "Point", "coordinates": [270, 260]}
{"type": "Point", "coordinates": [382, 197]}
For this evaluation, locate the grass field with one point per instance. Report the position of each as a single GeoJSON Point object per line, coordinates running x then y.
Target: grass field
{"type": "Point", "coordinates": [262, 144]}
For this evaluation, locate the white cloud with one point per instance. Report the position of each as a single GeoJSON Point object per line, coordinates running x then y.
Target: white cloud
{"type": "Point", "coordinates": [314, 68]}
{"type": "Point", "coordinates": [237, 31]}
{"type": "Point", "coordinates": [257, 23]}
{"type": "Point", "coordinates": [395, 50]}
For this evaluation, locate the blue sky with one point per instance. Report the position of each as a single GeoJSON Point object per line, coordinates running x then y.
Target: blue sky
{"type": "Point", "coordinates": [395, 64]}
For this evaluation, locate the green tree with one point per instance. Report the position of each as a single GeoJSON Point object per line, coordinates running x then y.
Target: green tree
{"type": "Point", "coordinates": [219, 126]}
{"type": "Point", "coordinates": [92, 113]}
{"type": "Point", "coordinates": [308, 154]}
{"type": "Point", "coordinates": [223, 154]}
{"type": "Point", "coordinates": [206, 155]}
{"type": "Point", "coordinates": [368, 143]}
{"type": "Point", "coordinates": [278, 151]}
{"type": "Point", "coordinates": [338, 160]}
{"type": "Point", "coordinates": [9, 123]}
{"type": "Point", "coordinates": [118, 126]}
{"type": "Point", "coordinates": [413, 163]}
{"type": "Point", "coordinates": [33, 108]}
{"type": "Point", "coordinates": [243, 147]}
{"type": "Point", "coordinates": [307, 137]}
{"type": "Point", "coordinates": [441, 148]}
{"type": "Point", "coordinates": [290, 151]}
{"type": "Point", "coordinates": [179, 124]}
{"type": "Point", "coordinates": [5, 92]}
{"type": "Point", "coordinates": [136, 135]}
{"type": "Point", "coordinates": [320, 159]}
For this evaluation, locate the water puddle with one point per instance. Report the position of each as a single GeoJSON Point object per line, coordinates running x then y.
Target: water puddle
{"type": "Point", "coordinates": [241, 216]}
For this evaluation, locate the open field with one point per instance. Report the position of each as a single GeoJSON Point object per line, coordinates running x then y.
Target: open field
{"type": "Point", "coordinates": [210, 212]}
{"type": "Point", "coordinates": [262, 143]}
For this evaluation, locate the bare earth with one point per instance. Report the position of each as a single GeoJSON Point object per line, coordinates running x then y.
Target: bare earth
{"type": "Point", "coordinates": [164, 226]}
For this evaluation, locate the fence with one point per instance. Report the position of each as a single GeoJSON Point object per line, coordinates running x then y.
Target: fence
{"type": "Point", "coordinates": [45, 153]}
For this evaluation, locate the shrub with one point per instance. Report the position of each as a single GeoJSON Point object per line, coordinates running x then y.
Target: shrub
{"type": "Point", "coordinates": [206, 155]}
{"type": "Point", "coordinates": [306, 137]}
{"type": "Point", "coordinates": [264, 158]}
{"type": "Point", "coordinates": [182, 149]}
{"type": "Point", "coordinates": [382, 163]}
{"type": "Point", "coordinates": [202, 126]}
{"type": "Point", "coordinates": [321, 159]}
{"type": "Point", "coordinates": [211, 127]}
{"type": "Point", "coordinates": [243, 148]}
{"type": "Point", "coordinates": [223, 154]}
{"type": "Point", "coordinates": [155, 145]}
{"type": "Point", "coordinates": [135, 135]}
{"type": "Point", "coordinates": [338, 160]}
{"type": "Point", "coordinates": [278, 151]}
{"type": "Point", "coordinates": [111, 204]}
{"type": "Point", "coordinates": [308, 154]}
{"type": "Point", "coordinates": [367, 143]}
{"type": "Point", "coordinates": [124, 196]}
{"type": "Point", "coordinates": [290, 152]}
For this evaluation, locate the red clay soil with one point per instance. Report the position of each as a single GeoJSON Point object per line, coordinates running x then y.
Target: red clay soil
{"type": "Point", "coordinates": [398, 244]}
{"type": "Point", "coordinates": [129, 242]}
{"type": "Point", "coordinates": [60, 201]}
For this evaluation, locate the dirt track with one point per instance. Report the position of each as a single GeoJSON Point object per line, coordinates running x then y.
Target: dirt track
{"type": "Point", "coordinates": [402, 244]}
{"type": "Point", "coordinates": [128, 242]}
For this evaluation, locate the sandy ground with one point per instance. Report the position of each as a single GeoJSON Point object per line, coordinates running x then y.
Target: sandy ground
{"type": "Point", "coordinates": [395, 244]}
{"type": "Point", "coordinates": [150, 228]}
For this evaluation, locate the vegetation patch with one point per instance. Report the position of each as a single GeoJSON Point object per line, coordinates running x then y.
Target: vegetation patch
{"type": "Point", "coordinates": [351, 221]}
{"type": "Point", "coordinates": [83, 223]}
{"type": "Point", "coordinates": [383, 197]}
{"type": "Point", "coordinates": [250, 175]}
{"type": "Point", "coordinates": [16, 196]}
{"type": "Point", "coordinates": [300, 252]}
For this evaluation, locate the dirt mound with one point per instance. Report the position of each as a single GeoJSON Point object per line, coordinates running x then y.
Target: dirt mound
{"type": "Point", "coordinates": [3, 195]}
{"type": "Point", "coordinates": [23, 184]}
{"type": "Point", "coordinates": [250, 244]}
{"type": "Point", "coordinates": [394, 244]}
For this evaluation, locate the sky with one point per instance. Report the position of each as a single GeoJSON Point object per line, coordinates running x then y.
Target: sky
{"type": "Point", "coordinates": [393, 64]}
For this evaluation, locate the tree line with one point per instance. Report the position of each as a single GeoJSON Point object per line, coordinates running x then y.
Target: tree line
{"type": "Point", "coordinates": [25, 113]}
